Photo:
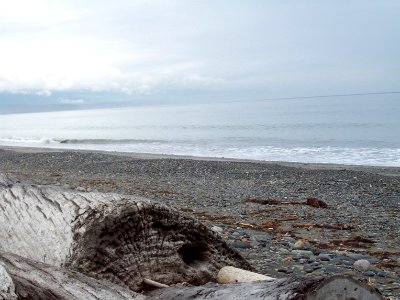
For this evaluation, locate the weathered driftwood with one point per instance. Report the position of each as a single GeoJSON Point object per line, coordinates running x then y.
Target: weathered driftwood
{"type": "Point", "coordinates": [34, 280]}
{"type": "Point", "coordinates": [120, 238]}
{"type": "Point", "coordinates": [7, 287]}
{"type": "Point", "coordinates": [334, 288]}
{"type": "Point", "coordinates": [230, 274]}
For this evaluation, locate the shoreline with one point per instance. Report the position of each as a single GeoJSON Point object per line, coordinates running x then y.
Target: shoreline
{"type": "Point", "coordinates": [382, 170]}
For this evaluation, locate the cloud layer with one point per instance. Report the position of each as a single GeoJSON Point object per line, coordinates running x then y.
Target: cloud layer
{"type": "Point", "coordinates": [149, 47]}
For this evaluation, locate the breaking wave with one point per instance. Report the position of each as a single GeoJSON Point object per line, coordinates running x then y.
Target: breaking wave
{"type": "Point", "coordinates": [213, 148]}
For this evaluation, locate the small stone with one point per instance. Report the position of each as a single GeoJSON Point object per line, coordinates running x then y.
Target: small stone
{"type": "Point", "coordinates": [81, 189]}
{"type": "Point", "coordinates": [261, 238]}
{"type": "Point", "coordinates": [289, 239]}
{"type": "Point", "coordinates": [308, 269]}
{"type": "Point", "coordinates": [217, 229]}
{"type": "Point", "coordinates": [316, 251]}
{"type": "Point", "coordinates": [324, 257]}
{"type": "Point", "coordinates": [284, 270]}
{"type": "Point", "coordinates": [362, 265]}
{"type": "Point", "coordinates": [299, 244]}
{"type": "Point", "coordinates": [302, 253]}
{"type": "Point", "coordinates": [241, 245]}
{"type": "Point", "coordinates": [381, 274]}
{"type": "Point", "coordinates": [316, 202]}
{"type": "Point", "coordinates": [369, 273]}
{"type": "Point", "coordinates": [236, 234]}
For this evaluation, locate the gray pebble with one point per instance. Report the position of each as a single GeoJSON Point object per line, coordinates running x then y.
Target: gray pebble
{"type": "Point", "coordinates": [302, 253]}
{"type": "Point", "coordinates": [331, 269]}
{"type": "Point", "coordinates": [289, 239]}
{"type": "Point", "coordinates": [241, 245]}
{"type": "Point", "coordinates": [369, 273]}
{"type": "Point", "coordinates": [324, 257]}
{"type": "Point", "coordinates": [362, 265]}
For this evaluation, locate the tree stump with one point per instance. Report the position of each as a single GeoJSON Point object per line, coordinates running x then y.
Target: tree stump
{"type": "Point", "coordinates": [124, 239]}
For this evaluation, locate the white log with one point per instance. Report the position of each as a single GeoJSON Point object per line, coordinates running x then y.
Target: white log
{"type": "Point", "coordinates": [7, 287]}
{"type": "Point", "coordinates": [109, 236]}
{"type": "Point", "coordinates": [34, 280]}
{"type": "Point", "coordinates": [231, 274]}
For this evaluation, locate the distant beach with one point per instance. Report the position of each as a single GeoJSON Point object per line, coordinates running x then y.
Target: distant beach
{"type": "Point", "coordinates": [280, 236]}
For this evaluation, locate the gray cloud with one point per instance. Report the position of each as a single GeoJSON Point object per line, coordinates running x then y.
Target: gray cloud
{"type": "Point", "coordinates": [152, 47]}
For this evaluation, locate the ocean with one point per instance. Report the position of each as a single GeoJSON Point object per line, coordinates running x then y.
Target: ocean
{"type": "Point", "coordinates": [343, 130]}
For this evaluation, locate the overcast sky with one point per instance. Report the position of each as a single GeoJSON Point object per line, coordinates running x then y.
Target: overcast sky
{"type": "Point", "coordinates": [83, 53]}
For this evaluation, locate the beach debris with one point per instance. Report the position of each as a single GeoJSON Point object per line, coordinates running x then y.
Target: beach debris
{"type": "Point", "coordinates": [7, 286]}
{"type": "Point", "coordinates": [337, 226]}
{"type": "Point", "coordinates": [29, 279]}
{"type": "Point", "coordinates": [88, 231]}
{"type": "Point", "coordinates": [356, 242]}
{"type": "Point", "coordinates": [231, 274]}
{"type": "Point", "coordinates": [315, 202]}
{"type": "Point", "coordinates": [311, 201]}
{"type": "Point", "coordinates": [312, 288]}
{"type": "Point", "coordinates": [155, 283]}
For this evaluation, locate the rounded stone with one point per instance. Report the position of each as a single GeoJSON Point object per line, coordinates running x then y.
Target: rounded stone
{"type": "Point", "coordinates": [299, 244]}
{"type": "Point", "coordinates": [324, 257]}
{"type": "Point", "coordinates": [217, 229]}
{"type": "Point", "coordinates": [369, 273]}
{"type": "Point", "coordinates": [362, 265]}
{"type": "Point", "coordinates": [241, 245]}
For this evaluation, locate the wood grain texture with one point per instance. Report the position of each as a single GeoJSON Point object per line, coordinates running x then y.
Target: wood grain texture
{"type": "Point", "coordinates": [294, 288]}
{"type": "Point", "coordinates": [120, 238]}
{"type": "Point", "coordinates": [34, 280]}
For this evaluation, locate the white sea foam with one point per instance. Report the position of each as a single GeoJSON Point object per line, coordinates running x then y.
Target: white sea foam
{"type": "Point", "coordinates": [336, 155]}
{"type": "Point", "coordinates": [330, 131]}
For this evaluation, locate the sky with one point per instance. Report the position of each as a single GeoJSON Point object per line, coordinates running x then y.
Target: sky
{"type": "Point", "coordinates": [62, 55]}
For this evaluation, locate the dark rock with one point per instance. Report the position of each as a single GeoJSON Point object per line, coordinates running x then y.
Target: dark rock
{"type": "Point", "coordinates": [382, 274]}
{"type": "Point", "coordinates": [369, 273]}
{"type": "Point", "coordinates": [315, 202]}
{"type": "Point", "coordinates": [241, 245]}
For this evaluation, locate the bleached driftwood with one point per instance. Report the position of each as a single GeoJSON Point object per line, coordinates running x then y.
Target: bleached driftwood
{"type": "Point", "coordinates": [334, 288]}
{"type": "Point", "coordinates": [108, 236]}
{"type": "Point", "coordinates": [232, 275]}
{"type": "Point", "coordinates": [34, 280]}
{"type": "Point", "coordinates": [7, 287]}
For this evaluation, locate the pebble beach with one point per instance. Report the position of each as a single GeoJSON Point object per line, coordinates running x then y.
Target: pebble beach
{"type": "Point", "coordinates": [284, 218]}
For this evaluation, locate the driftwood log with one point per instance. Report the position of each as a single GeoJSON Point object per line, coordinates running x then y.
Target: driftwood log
{"type": "Point", "coordinates": [123, 239]}
{"type": "Point", "coordinates": [61, 240]}
{"type": "Point", "coordinates": [28, 279]}
{"type": "Point", "coordinates": [295, 288]}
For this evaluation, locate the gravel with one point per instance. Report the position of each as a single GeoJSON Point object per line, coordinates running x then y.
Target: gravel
{"type": "Point", "coordinates": [367, 199]}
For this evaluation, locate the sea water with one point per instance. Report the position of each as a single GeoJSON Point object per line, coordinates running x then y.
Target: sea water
{"type": "Point", "coordinates": [345, 130]}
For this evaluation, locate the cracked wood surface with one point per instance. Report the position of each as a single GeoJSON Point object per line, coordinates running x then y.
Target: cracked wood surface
{"type": "Point", "coordinates": [293, 288]}
{"type": "Point", "coordinates": [120, 238]}
{"type": "Point", "coordinates": [34, 280]}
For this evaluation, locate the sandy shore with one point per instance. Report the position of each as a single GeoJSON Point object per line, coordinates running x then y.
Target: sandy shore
{"type": "Point", "coordinates": [283, 237]}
